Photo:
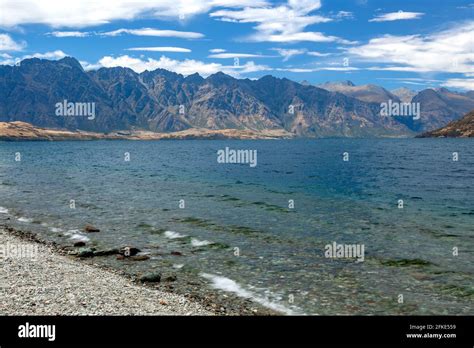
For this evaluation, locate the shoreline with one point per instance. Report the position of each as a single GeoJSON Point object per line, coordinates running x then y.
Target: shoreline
{"type": "Point", "coordinates": [23, 131]}
{"type": "Point", "coordinates": [55, 282]}
{"type": "Point", "coordinates": [49, 283]}
{"type": "Point", "coordinates": [15, 131]}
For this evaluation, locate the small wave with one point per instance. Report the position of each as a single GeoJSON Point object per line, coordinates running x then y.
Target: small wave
{"type": "Point", "coordinates": [55, 229]}
{"type": "Point", "coordinates": [71, 232]}
{"type": "Point", "coordinates": [173, 235]}
{"type": "Point", "coordinates": [24, 219]}
{"type": "Point", "coordinates": [3, 210]}
{"type": "Point", "coordinates": [196, 242]}
{"type": "Point", "coordinates": [226, 284]}
{"type": "Point", "coordinates": [79, 238]}
{"type": "Point", "coordinates": [74, 235]}
{"type": "Point", "coordinates": [178, 266]}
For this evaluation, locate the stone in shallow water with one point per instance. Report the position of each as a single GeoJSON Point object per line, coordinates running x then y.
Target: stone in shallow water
{"type": "Point", "coordinates": [133, 258]}
{"type": "Point", "coordinates": [171, 278]}
{"type": "Point", "coordinates": [106, 252]}
{"type": "Point", "coordinates": [151, 278]}
{"type": "Point", "coordinates": [129, 251]}
{"type": "Point", "coordinates": [139, 257]}
{"type": "Point", "coordinates": [90, 229]}
{"type": "Point", "coordinates": [406, 262]}
{"type": "Point", "coordinates": [86, 252]}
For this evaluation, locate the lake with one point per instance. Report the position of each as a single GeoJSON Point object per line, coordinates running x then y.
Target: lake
{"type": "Point", "coordinates": [262, 232]}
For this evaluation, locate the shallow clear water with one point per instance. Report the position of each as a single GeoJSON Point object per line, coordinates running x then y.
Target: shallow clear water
{"type": "Point", "coordinates": [282, 261]}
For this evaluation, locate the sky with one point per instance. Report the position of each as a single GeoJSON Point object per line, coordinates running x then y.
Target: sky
{"type": "Point", "coordinates": [406, 43]}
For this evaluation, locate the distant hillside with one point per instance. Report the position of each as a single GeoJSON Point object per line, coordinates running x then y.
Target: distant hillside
{"type": "Point", "coordinates": [439, 107]}
{"type": "Point", "coordinates": [367, 93]}
{"type": "Point", "coordinates": [404, 94]}
{"type": "Point", "coordinates": [163, 101]}
{"type": "Point", "coordinates": [463, 128]}
{"type": "Point", "coordinates": [15, 131]}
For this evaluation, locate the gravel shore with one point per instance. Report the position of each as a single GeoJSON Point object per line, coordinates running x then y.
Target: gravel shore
{"type": "Point", "coordinates": [36, 280]}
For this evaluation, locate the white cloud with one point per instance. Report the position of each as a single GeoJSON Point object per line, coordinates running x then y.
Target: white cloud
{"type": "Point", "coordinates": [58, 54]}
{"type": "Point", "coordinates": [445, 51]}
{"type": "Point", "coordinates": [396, 16]}
{"type": "Point", "coordinates": [55, 55]}
{"type": "Point", "coordinates": [84, 13]}
{"type": "Point", "coordinates": [344, 15]}
{"type": "Point", "coordinates": [6, 59]}
{"type": "Point", "coordinates": [297, 37]}
{"type": "Point", "coordinates": [8, 44]}
{"type": "Point", "coordinates": [217, 50]}
{"type": "Point", "coordinates": [185, 67]}
{"type": "Point", "coordinates": [318, 54]}
{"type": "Point", "coordinates": [345, 68]}
{"type": "Point", "coordinates": [282, 23]}
{"type": "Point", "coordinates": [248, 67]}
{"type": "Point", "coordinates": [160, 49]}
{"type": "Point", "coordinates": [137, 32]}
{"type": "Point", "coordinates": [290, 52]}
{"type": "Point", "coordinates": [466, 7]}
{"type": "Point", "coordinates": [236, 55]}
{"type": "Point", "coordinates": [467, 84]}
{"type": "Point", "coordinates": [416, 79]}
{"type": "Point", "coordinates": [155, 32]}
{"type": "Point", "coordinates": [309, 70]}
{"type": "Point", "coordinates": [414, 83]}
{"type": "Point", "coordinates": [69, 33]}
{"type": "Point", "coordinates": [89, 66]}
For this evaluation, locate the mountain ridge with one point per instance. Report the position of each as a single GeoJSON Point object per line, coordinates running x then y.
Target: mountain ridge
{"type": "Point", "coordinates": [164, 101]}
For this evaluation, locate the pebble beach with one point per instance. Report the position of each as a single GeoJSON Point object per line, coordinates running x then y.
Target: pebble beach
{"type": "Point", "coordinates": [48, 283]}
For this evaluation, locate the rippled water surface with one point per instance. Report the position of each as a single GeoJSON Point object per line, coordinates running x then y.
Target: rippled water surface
{"type": "Point", "coordinates": [281, 260]}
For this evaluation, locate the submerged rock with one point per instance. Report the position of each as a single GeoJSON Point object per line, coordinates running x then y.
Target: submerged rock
{"type": "Point", "coordinates": [139, 257]}
{"type": "Point", "coordinates": [79, 244]}
{"type": "Point", "coordinates": [406, 262]}
{"type": "Point", "coordinates": [90, 229]}
{"type": "Point", "coordinates": [106, 252]}
{"type": "Point", "coordinates": [133, 258]}
{"type": "Point", "coordinates": [171, 278]}
{"type": "Point", "coordinates": [129, 251]}
{"type": "Point", "coordinates": [150, 278]}
{"type": "Point", "coordinates": [86, 252]}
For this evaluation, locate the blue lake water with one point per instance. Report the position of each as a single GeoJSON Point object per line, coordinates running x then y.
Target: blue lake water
{"type": "Point", "coordinates": [280, 261]}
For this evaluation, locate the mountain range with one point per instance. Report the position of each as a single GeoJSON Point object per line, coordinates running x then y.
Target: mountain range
{"type": "Point", "coordinates": [368, 93]}
{"type": "Point", "coordinates": [437, 106]}
{"type": "Point", "coordinates": [163, 101]}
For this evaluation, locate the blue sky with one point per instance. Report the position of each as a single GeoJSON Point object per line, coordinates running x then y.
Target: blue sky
{"type": "Point", "coordinates": [411, 43]}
